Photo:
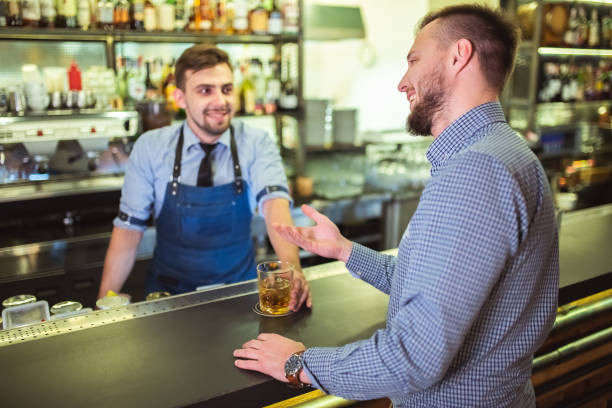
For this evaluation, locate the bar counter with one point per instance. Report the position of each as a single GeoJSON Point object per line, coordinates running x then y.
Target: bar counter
{"type": "Point", "coordinates": [177, 351]}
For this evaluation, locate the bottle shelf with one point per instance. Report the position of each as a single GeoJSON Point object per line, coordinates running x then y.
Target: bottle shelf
{"type": "Point", "coordinates": [54, 34]}
{"type": "Point", "coordinates": [582, 52]}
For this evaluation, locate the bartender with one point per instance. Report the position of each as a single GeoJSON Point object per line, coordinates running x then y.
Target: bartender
{"type": "Point", "coordinates": [201, 180]}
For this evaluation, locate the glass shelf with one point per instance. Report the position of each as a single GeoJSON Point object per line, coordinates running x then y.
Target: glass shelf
{"type": "Point", "coordinates": [21, 33]}
{"type": "Point", "coordinates": [582, 52]}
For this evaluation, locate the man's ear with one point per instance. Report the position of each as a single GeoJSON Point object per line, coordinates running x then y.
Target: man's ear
{"type": "Point", "coordinates": [179, 98]}
{"type": "Point", "coordinates": [461, 53]}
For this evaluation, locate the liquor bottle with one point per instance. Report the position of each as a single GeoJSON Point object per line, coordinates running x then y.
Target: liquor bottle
{"type": "Point", "coordinates": [220, 23]}
{"type": "Point", "coordinates": [168, 87]}
{"type": "Point", "coordinates": [30, 13]}
{"type": "Point", "coordinates": [106, 11]}
{"type": "Point", "coordinates": [571, 34]}
{"type": "Point", "coordinates": [83, 14]}
{"type": "Point", "coordinates": [606, 30]}
{"type": "Point", "coordinates": [166, 15]}
{"type": "Point", "coordinates": [288, 98]}
{"type": "Point", "coordinates": [135, 83]}
{"type": "Point", "coordinates": [291, 17]}
{"type": "Point", "coordinates": [70, 12]}
{"type": "Point", "coordinates": [241, 17]}
{"type": "Point", "coordinates": [150, 16]}
{"type": "Point", "coordinates": [207, 15]}
{"type": "Point", "coordinates": [275, 23]}
{"type": "Point", "coordinates": [594, 29]}
{"type": "Point", "coordinates": [230, 15]}
{"type": "Point", "coordinates": [151, 91]}
{"type": "Point", "coordinates": [138, 14]}
{"type": "Point", "coordinates": [121, 15]}
{"type": "Point", "coordinates": [121, 79]}
{"type": "Point", "coordinates": [273, 86]}
{"type": "Point", "coordinates": [14, 13]}
{"type": "Point", "coordinates": [247, 92]}
{"type": "Point", "coordinates": [180, 16]}
{"type": "Point", "coordinates": [195, 19]}
{"type": "Point", "coordinates": [258, 19]}
{"type": "Point", "coordinates": [583, 28]}
{"type": "Point", "coordinates": [259, 82]}
{"type": "Point", "coordinates": [3, 15]}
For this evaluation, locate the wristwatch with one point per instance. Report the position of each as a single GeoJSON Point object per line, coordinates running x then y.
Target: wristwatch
{"type": "Point", "coordinates": [293, 368]}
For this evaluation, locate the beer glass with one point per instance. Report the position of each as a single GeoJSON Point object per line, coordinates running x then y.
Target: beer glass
{"type": "Point", "coordinates": [275, 280]}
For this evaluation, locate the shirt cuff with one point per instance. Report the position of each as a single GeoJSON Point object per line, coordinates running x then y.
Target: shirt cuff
{"type": "Point", "coordinates": [357, 259]}
{"type": "Point", "coordinates": [126, 225]}
{"type": "Point", "coordinates": [317, 364]}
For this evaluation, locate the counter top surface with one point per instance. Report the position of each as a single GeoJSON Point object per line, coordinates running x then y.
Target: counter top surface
{"type": "Point", "coordinates": [182, 357]}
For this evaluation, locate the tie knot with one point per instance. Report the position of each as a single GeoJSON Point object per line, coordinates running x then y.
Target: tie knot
{"type": "Point", "coordinates": [208, 147]}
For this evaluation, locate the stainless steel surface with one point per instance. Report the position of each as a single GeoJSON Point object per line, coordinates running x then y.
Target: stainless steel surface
{"type": "Point", "coordinates": [149, 308]}
{"type": "Point", "coordinates": [325, 22]}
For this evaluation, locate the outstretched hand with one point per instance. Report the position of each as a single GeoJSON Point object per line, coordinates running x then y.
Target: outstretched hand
{"type": "Point", "coordinates": [323, 239]}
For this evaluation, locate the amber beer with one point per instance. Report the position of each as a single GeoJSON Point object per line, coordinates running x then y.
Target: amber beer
{"type": "Point", "coordinates": [275, 281]}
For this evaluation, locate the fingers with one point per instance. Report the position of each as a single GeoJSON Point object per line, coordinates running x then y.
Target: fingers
{"type": "Point", "coordinates": [314, 214]}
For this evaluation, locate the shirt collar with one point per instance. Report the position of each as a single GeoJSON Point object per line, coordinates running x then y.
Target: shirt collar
{"type": "Point", "coordinates": [462, 132]}
{"type": "Point", "coordinates": [192, 140]}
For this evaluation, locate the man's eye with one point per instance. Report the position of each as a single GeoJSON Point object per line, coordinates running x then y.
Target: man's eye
{"type": "Point", "coordinates": [228, 90]}
{"type": "Point", "coordinates": [205, 90]}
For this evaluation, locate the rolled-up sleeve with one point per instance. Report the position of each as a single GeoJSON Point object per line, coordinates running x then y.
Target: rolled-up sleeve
{"type": "Point", "coordinates": [137, 193]}
{"type": "Point", "coordinates": [266, 170]}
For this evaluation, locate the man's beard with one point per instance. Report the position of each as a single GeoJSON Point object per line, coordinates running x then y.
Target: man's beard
{"type": "Point", "coordinates": [419, 122]}
{"type": "Point", "coordinates": [215, 130]}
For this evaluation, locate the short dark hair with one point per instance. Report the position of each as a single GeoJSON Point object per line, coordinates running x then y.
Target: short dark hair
{"type": "Point", "coordinates": [494, 37]}
{"type": "Point", "coordinates": [196, 58]}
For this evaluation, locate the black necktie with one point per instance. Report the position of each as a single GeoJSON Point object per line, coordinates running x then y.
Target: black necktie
{"type": "Point", "coordinates": [205, 172]}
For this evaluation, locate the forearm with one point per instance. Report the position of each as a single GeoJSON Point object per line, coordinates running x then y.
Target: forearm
{"type": "Point", "coordinates": [276, 210]}
{"type": "Point", "coordinates": [119, 259]}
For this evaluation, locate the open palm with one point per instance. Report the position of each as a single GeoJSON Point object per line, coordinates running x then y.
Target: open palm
{"type": "Point", "coordinates": [323, 239]}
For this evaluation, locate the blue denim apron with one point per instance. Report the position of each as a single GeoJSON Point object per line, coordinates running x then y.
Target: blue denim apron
{"type": "Point", "coordinates": [203, 233]}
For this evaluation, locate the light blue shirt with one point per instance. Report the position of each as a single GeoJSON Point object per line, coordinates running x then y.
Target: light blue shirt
{"type": "Point", "coordinates": [473, 289]}
{"type": "Point", "coordinates": [150, 164]}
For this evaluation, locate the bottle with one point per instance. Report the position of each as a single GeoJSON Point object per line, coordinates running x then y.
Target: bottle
{"type": "Point", "coordinates": [74, 77]}
{"type": "Point", "coordinates": [230, 15]}
{"type": "Point", "coordinates": [247, 92]}
{"type": "Point", "coordinates": [288, 98]}
{"type": "Point", "coordinates": [121, 79]}
{"type": "Point", "coordinates": [180, 17]}
{"type": "Point", "coordinates": [273, 86]}
{"type": "Point", "coordinates": [606, 30]}
{"type": "Point", "coordinates": [83, 14]}
{"type": "Point", "coordinates": [121, 15]}
{"type": "Point", "coordinates": [150, 16]}
{"type": "Point", "coordinates": [241, 17]}
{"type": "Point", "coordinates": [166, 15]}
{"type": "Point", "coordinates": [275, 23]}
{"type": "Point", "coordinates": [258, 19]}
{"type": "Point", "coordinates": [195, 19]}
{"type": "Point", "coordinates": [291, 17]}
{"type": "Point", "coordinates": [220, 23]}
{"type": "Point", "coordinates": [14, 13]}
{"type": "Point", "coordinates": [571, 34]}
{"type": "Point", "coordinates": [106, 11]}
{"type": "Point", "coordinates": [168, 87]}
{"type": "Point", "coordinates": [138, 14]}
{"type": "Point", "coordinates": [594, 29]}
{"type": "Point", "coordinates": [135, 83]}
{"type": "Point", "coordinates": [3, 22]}
{"type": "Point", "coordinates": [151, 91]}
{"type": "Point", "coordinates": [30, 13]}
{"type": "Point", "coordinates": [583, 29]}
{"type": "Point", "coordinates": [67, 13]}
{"type": "Point", "coordinates": [259, 82]}
{"type": "Point", "coordinates": [207, 16]}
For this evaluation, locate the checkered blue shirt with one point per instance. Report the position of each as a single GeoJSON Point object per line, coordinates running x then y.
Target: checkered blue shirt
{"type": "Point", "coordinates": [473, 289]}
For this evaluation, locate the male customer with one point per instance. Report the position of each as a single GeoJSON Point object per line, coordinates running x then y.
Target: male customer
{"type": "Point", "coordinates": [202, 181]}
{"type": "Point", "coordinates": [473, 289]}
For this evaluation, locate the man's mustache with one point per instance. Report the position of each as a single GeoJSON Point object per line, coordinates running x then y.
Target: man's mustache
{"type": "Point", "coordinates": [224, 109]}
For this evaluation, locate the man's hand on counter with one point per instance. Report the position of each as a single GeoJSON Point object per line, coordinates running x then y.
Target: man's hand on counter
{"type": "Point", "coordinates": [323, 239]}
{"type": "Point", "coordinates": [268, 354]}
{"type": "Point", "coordinates": [300, 292]}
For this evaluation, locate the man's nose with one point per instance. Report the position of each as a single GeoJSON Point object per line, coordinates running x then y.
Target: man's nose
{"type": "Point", "coordinates": [403, 83]}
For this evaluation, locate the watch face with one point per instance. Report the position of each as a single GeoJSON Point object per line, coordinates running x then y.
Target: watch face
{"type": "Point", "coordinates": [293, 364]}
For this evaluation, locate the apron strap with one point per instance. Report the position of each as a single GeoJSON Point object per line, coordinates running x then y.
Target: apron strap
{"type": "Point", "coordinates": [238, 182]}
{"type": "Point", "coordinates": [176, 168]}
